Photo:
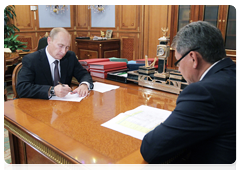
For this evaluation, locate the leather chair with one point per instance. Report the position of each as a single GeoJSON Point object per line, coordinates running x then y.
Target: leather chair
{"type": "Point", "coordinates": [42, 43]}
{"type": "Point", "coordinates": [14, 79]}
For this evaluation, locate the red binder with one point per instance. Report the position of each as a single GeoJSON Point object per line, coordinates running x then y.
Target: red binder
{"type": "Point", "coordinates": [92, 60]}
{"type": "Point", "coordinates": [103, 73]}
{"type": "Point", "coordinates": [108, 70]}
{"type": "Point", "coordinates": [106, 65]}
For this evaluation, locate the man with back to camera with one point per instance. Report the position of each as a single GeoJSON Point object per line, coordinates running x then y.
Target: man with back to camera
{"type": "Point", "coordinates": [43, 70]}
{"type": "Point", "coordinates": [202, 127]}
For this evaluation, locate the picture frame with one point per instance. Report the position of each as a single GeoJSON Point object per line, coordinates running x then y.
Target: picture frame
{"type": "Point", "coordinates": [109, 34]}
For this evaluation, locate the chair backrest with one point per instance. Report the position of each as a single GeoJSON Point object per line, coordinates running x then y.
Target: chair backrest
{"type": "Point", "coordinates": [42, 43]}
{"type": "Point", "coordinates": [14, 79]}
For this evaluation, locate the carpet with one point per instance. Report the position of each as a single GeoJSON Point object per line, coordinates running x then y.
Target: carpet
{"type": "Point", "coordinates": [9, 93]}
{"type": "Point", "coordinates": [7, 152]}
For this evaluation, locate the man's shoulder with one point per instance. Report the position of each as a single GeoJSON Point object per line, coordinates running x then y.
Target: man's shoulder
{"type": "Point", "coordinates": [70, 55]}
{"type": "Point", "coordinates": [35, 55]}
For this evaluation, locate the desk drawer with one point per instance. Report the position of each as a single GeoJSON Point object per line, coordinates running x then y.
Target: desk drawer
{"type": "Point", "coordinates": [112, 53]}
{"type": "Point", "coordinates": [86, 54]}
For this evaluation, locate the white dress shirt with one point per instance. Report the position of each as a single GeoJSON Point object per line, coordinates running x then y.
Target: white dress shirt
{"type": "Point", "coordinates": [52, 66]}
{"type": "Point", "coordinates": [208, 70]}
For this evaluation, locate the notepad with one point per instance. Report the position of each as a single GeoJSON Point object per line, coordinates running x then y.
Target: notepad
{"type": "Point", "coordinates": [69, 97]}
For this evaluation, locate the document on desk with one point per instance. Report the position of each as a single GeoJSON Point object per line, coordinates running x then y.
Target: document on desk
{"type": "Point", "coordinates": [69, 97]}
{"type": "Point", "coordinates": [137, 122]}
{"type": "Point", "coordinates": [103, 87]}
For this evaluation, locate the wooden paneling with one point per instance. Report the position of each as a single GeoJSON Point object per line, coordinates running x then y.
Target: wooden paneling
{"type": "Point", "coordinates": [82, 17]}
{"type": "Point", "coordinates": [156, 17]}
{"type": "Point", "coordinates": [129, 17]}
{"type": "Point", "coordinates": [25, 18]}
{"type": "Point", "coordinates": [129, 44]}
{"type": "Point", "coordinates": [30, 38]}
{"type": "Point", "coordinates": [34, 157]}
{"type": "Point", "coordinates": [137, 26]}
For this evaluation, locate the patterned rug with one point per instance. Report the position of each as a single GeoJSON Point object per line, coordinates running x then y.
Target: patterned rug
{"type": "Point", "coordinates": [9, 93]}
{"type": "Point", "coordinates": [7, 153]}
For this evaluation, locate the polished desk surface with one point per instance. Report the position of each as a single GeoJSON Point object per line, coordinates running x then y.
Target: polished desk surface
{"type": "Point", "coordinates": [75, 128]}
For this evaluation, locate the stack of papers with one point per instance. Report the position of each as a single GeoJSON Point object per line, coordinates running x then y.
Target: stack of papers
{"type": "Point", "coordinates": [137, 122]}
{"type": "Point", "coordinates": [69, 97]}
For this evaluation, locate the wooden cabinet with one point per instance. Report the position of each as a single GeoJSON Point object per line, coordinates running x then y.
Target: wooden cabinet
{"type": "Point", "coordinates": [98, 48]}
{"type": "Point", "coordinates": [222, 16]}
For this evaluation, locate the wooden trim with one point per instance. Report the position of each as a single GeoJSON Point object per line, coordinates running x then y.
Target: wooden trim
{"type": "Point", "coordinates": [38, 144]}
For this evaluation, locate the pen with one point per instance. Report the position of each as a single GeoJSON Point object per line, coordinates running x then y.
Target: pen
{"type": "Point", "coordinates": [63, 85]}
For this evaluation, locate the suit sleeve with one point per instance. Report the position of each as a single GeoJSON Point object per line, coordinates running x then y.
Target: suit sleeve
{"type": "Point", "coordinates": [26, 87]}
{"type": "Point", "coordinates": [81, 74]}
{"type": "Point", "coordinates": [192, 121]}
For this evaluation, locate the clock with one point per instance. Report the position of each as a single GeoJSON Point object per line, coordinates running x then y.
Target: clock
{"type": "Point", "coordinates": [160, 51]}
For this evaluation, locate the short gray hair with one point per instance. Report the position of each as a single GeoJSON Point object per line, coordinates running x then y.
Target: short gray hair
{"type": "Point", "coordinates": [56, 30]}
{"type": "Point", "coordinates": [200, 34]}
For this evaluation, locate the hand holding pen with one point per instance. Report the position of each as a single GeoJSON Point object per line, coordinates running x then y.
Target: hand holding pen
{"type": "Point", "coordinates": [64, 85]}
{"type": "Point", "coordinates": [82, 90]}
{"type": "Point", "coordinates": [62, 90]}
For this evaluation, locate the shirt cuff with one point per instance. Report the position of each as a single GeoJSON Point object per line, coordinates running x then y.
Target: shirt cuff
{"type": "Point", "coordinates": [84, 82]}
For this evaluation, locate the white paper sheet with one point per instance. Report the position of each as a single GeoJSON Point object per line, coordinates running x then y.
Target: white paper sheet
{"type": "Point", "coordinates": [69, 97]}
{"type": "Point", "coordinates": [137, 122]}
{"type": "Point", "coordinates": [102, 87]}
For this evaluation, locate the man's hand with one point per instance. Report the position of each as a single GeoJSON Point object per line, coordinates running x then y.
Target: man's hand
{"type": "Point", "coordinates": [61, 91]}
{"type": "Point", "coordinates": [82, 90]}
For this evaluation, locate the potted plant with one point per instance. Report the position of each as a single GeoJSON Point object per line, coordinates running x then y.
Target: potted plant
{"type": "Point", "coordinates": [10, 39]}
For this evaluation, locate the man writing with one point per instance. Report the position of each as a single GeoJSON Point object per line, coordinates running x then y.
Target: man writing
{"type": "Point", "coordinates": [202, 127]}
{"type": "Point", "coordinates": [42, 70]}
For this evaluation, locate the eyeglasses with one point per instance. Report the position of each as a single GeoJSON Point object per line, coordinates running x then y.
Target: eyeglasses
{"type": "Point", "coordinates": [177, 63]}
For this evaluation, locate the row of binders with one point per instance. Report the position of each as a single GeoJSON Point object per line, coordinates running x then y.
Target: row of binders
{"type": "Point", "coordinates": [100, 67]}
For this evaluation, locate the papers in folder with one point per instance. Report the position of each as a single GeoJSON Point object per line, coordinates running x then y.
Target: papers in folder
{"type": "Point", "coordinates": [137, 122]}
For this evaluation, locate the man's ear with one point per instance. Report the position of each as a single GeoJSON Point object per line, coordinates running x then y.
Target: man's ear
{"type": "Point", "coordinates": [195, 59]}
{"type": "Point", "coordinates": [48, 40]}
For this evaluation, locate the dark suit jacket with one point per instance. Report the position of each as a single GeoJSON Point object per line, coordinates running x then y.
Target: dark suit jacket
{"type": "Point", "coordinates": [35, 78]}
{"type": "Point", "coordinates": [202, 124]}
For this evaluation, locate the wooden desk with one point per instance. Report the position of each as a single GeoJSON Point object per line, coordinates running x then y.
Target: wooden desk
{"type": "Point", "coordinates": [98, 48]}
{"type": "Point", "coordinates": [44, 131]}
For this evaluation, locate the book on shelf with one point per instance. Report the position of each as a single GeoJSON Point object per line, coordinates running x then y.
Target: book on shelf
{"type": "Point", "coordinates": [106, 65]}
{"type": "Point", "coordinates": [86, 62]}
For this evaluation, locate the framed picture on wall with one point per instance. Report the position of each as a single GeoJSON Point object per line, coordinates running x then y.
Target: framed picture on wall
{"type": "Point", "coordinates": [109, 33]}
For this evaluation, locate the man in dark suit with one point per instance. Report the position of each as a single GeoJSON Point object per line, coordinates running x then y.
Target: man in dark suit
{"type": "Point", "coordinates": [202, 127]}
{"type": "Point", "coordinates": [42, 70]}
